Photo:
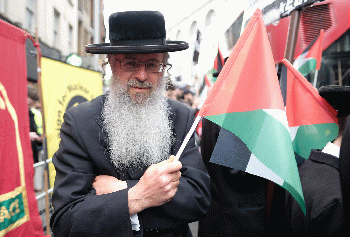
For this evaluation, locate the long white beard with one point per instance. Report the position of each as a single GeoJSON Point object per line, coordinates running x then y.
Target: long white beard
{"type": "Point", "coordinates": [139, 134]}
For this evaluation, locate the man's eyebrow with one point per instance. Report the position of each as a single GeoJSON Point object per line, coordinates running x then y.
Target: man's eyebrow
{"type": "Point", "coordinates": [129, 57]}
{"type": "Point", "coordinates": [149, 60]}
{"type": "Point", "coordinates": [153, 60]}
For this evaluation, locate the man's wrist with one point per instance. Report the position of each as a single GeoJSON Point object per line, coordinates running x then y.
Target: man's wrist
{"type": "Point", "coordinates": [135, 202]}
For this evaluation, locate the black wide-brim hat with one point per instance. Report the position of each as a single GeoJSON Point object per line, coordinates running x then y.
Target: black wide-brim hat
{"type": "Point", "coordinates": [338, 97]}
{"type": "Point", "coordinates": [136, 32]}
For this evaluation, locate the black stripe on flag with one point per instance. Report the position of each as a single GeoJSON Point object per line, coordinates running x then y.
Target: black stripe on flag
{"type": "Point", "coordinates": [230, 151]}
{"type": "Point", "coordinates": [283, 83]}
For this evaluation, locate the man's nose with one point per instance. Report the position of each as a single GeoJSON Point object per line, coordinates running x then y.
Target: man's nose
{"type": "Point", "coordinates": [141, 73]}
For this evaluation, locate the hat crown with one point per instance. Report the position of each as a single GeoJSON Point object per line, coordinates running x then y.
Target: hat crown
{"type": "Point", "coordinates": [137, 32]}
{"type": "Point", "coordinates": [135, 26]}
{"type": "Point", "coordinates": [337, 96]}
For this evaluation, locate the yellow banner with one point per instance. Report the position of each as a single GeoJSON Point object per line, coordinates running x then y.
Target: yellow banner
{"type": "Point", "coordinates": [63, 86]}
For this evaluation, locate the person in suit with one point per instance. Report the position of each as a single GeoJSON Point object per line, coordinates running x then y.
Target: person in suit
{"type": "Point", "coordinates": [344, 169]}
{"type": "Point", "coordinates": [114, 176]}
{"type": "Point", "coordinates": [34, 125]}
{"type": "Point", "coordinates": [320, 180]}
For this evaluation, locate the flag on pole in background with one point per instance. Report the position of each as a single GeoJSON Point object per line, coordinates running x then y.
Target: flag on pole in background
{"type": "Point", "coordinates": [310, 59]}
{"type": "Point", "coordinates": [218, 61]}
{"type": "Point", "coordinates": [246, 102]}
{"type": "Point", "coordinates": [218, 64]}
{"type": "Point", "coordinates": [208, 83]}
{"type": "Point", "coordinates": [312, 120]}
{"type": "Point", "coordinates": [19, 214]}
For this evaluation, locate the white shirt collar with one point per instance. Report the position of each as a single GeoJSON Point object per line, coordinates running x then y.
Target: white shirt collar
{"type": "Point", "coordinates": [331, 149]}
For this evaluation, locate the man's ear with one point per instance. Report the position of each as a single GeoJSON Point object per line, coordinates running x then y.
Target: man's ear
{"type": "Point", "coordinates": [108, 57]}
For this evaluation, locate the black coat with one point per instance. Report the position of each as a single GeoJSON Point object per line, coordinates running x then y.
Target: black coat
{"type": "Point", "coordinates": [238, 199]}
{"type": "Point", "coordinates": [83, 155]}
{"type": "Point", "coordinates": [33, 128]}
{"type": "Point", "coordinates": [319, 177]}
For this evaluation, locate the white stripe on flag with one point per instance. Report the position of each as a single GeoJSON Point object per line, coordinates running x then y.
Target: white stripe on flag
{"type": "Point", "coordinates": [301, 60]}
{"type": "Point", "coordinates": [255, 167]}
{"type": "Point", "coordinates": [293, 132]}
{"type": "Point", "coordinates": [279, 115]}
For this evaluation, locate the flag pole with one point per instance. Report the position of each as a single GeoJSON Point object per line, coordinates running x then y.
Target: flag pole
{"type": "Point", "coordinates": [46, 173]}
{"type": "Point", "coordinates": [187, 138]}
{"type": "Point", "coordinates": [315, 78]}
{"type": "Point", "coordinates": [292, 35]}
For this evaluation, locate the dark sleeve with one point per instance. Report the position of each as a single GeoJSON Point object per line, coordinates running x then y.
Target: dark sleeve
{"type": "Point", "coordinates": [192, 199]}
{"type": "Point", "coordinates": [344, 169]}
{"type": "Point", "coordinates": [77, 210]}
{"type": "Point", "coordinates": [329, 221]}
{"type": "Point", "coordinates": [32, 124]}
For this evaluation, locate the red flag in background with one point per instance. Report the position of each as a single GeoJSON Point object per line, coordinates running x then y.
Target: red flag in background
{"type": "Point", "coordinates": [19, 210]}
{"type": "Point", "coordinates": [218, 61]}
{"type": "Point", "coordinates": [312, 120]}
{"type": "Point", "coordinates": [208, 83]}
{"type": "Point", "coordinates": [310, 58]}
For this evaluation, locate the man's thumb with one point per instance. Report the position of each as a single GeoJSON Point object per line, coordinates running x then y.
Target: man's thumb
{"type": "Point", "coordinates": [171, 158]}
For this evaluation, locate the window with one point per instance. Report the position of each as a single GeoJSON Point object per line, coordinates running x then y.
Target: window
{"type": "Point", "coordinates": [335, 66]}
{"type": "Point", "coordinates": [233, 32]}
{"type": "Point", "coordinates": [29, 23]}
{"type": "Point", "coordinates": [56, 28]}
{"type": "Point", "coordinates": [92, 13]}
{"type": "Point", "coordinates": [30, 15]}
{"type": "Point", "coordinates": [3, 6]}
{"type": "Point", "coordinates": [70, 39]}
{"type": "Point", "coordinates": [80, 5]}
{"type": "Point", "coordinates": [80, 38]}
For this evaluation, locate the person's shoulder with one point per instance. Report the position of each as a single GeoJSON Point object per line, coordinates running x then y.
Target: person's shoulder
{"type": "Point", "coordinates": [323, 190]}
{"type": "Point", "coordinates": [178, 106]}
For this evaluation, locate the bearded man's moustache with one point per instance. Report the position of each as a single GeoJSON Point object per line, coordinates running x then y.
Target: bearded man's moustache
{"type": "Point", "coordinates": [139, 84]}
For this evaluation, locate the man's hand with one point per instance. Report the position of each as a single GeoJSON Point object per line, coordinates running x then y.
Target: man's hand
{"type": "Point", "coordinates": [157, 186]}
{"type": "Point", "coordinates": [33, 136]}
{"type": "Point", "coordinates": [108, 184]}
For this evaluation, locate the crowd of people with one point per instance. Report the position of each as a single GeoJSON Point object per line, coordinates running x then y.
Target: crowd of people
{"type": "Point", "coordinates": [184, 94]}
{"type": "Point", "coordinates": [115, 170]}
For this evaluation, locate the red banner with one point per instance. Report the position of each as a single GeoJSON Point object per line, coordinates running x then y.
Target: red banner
{"type": "Point", "coordinates": [19, 215]}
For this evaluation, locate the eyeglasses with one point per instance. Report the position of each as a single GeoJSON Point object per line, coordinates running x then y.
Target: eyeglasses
{"type": "Point", "coordinates": [132, 65]}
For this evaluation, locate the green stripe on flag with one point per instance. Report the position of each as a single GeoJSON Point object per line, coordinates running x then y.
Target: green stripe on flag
{"type": "Point", "coordinates": [268, 139]}
{"type": "Point", "coordinates": [308, 66]}
{"type": "Point", "coordinates": [316, 135]}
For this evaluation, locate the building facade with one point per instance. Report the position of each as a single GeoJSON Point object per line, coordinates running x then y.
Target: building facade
{"type": "Point", "coordinates": [206, 29]}
{"type": "Point", "coordinates": [218, 23]}
{"type": "Point", "coordinates": [64, 27]}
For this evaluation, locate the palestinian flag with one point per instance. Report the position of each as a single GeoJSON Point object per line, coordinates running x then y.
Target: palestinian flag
{"type": "Point", "coordinates": [218, 64]}
{"type": "Point", "coordinates": [208, 83]}
{"type": "Point", "coordinates": [247, 103]}
{"type": "Point", "coordinates": [219, 61]}
{"type": "Point", "coordinates": [312, 120]}
{"type": "Point", "coordinates": [310, 59]}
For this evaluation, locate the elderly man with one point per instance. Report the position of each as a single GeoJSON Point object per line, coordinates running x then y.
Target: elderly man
{"type": "Point", "coordinates": [114, 176]}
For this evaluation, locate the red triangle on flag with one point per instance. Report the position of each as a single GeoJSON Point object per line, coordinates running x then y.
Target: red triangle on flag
{"type": "Point", "coordinates": [304, 104]}
{"type": "Point", "coordinates": [219, 61]}
{"type": "Point", "coordinates": [316, 50]}
{"type": "Point", "coordinates": [242, 82]}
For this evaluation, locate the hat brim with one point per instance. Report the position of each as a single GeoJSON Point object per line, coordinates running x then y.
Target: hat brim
{"type": "Point", "coordinates": [106, 48]}
{"type": "Point", "coordinates": [337, 96]}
